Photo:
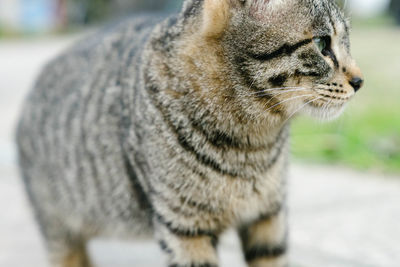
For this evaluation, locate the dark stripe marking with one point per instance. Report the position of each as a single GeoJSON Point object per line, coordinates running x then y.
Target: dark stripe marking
{"type": "Point", "coordinates": [307, 74]}
{"type": "Point", "coordinates": [251, 84]}
{"type": "Point", "coordinates": [241, 66]}
{"type": "Point", "coordinates": [140, 194]}
{"type": "Point", "coordinates": [193, 265]}
{"type": "Point", "coordinates": [278, 80]}
{"type": "Point", "coordinates": [197, 205]}
{"type": "Point", "coordinates": [329, 53]}
{"type": "Point", "coordinates": [269, 215]}
{"type": "Point", "coordinates": [265, 251]}
{"type": "Point", "coordinates": [203, 158]}
{"type": "Point", "coordinates": [164, 247]}
{"type": "Point", "coordinates": [286, 50]}
{"type": "Point", "coordinates": [185, 232]}
{"type": "Point", "coordinates": [280, 142]}
{"type": "Point", "coordinates": [183, 141]}
{"type": "Point", "coordinates": [192, 9]}
{"type": "Point", "coordinates": [214, 241]}
{"type": "Point", "coordinates": [220, 139]}
{"type": "Point", "coordinates": [215, 137]}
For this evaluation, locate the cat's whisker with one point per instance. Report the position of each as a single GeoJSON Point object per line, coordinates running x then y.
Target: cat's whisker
{"type": "Point", "coordinates": [326, 106]}
{"type": "Point", "coordinates": [258, 74]}
{"type": "Point", "coordinates": [276, 89]}
{"type": "Point", "coordinates": [287, 100]}
{"type": "Point", "coordinates": [271, 91]}
{"type": "Point", "coordinates": [282, 92]}
{"type": "Point", "coordinates": [301, 107]}
{"type": "Point", "coordinates": [273, 94]}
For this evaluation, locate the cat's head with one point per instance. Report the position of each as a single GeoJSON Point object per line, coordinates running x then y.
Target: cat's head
{"type": "Point", "coordinates": [286, 55]}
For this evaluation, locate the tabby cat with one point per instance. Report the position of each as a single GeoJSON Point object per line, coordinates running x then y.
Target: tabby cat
{"type": "Point", "coordinates": [178, 127]}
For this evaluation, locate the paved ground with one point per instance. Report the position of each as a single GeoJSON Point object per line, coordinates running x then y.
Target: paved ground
{"type": "Point", "coordinates": [339, 218]}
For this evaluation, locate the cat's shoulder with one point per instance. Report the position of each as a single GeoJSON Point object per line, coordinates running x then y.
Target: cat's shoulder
{"type": "Point", "coordinates": [112, 37]}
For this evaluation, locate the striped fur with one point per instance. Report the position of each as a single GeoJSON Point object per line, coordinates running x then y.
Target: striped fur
{"type": "Point", "coordinates": [178, 127]}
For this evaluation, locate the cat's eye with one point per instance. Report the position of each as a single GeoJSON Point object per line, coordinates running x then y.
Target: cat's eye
{"type": "Point", "coordinates": [324, 45]}
{"type": "Point", "coordinates": [321, 43]}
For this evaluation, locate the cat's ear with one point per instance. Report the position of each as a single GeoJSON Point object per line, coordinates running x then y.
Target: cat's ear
{"type": "Point", "coordinates": [216, 15]}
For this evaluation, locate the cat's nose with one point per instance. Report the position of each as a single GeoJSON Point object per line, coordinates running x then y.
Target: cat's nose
{"type": "Point", "coordinates": [356, 83]}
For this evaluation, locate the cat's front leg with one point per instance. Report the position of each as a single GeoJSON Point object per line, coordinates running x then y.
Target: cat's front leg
{"type": "Point", "coordinates": [264, 241]}
{"type": "Point", "coordinates": [186, 247]}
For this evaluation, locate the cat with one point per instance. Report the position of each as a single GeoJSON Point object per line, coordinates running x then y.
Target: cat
{"type": "Point", "coordinates": [177, 128]}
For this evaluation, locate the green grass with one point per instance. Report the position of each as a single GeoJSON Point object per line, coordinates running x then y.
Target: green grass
{"type": "Point", "coordinates": [367, 136]}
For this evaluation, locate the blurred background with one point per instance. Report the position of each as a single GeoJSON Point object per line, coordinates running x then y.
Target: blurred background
{"type": "Point", "coordinates": [341, 194]}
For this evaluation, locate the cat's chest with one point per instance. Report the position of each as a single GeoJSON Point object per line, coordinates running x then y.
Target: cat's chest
{"type": "Point", "coordinates": [244, 199]}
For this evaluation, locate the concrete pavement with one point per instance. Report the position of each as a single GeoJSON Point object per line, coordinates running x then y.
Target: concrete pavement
{"type": "Point", "coordinates": [339, 217]}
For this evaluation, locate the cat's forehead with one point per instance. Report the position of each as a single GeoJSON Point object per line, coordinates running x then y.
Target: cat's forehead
{"type": "Point", "coordinates": [328, 18]}
{"type": "Point", "coordinates": [323, 16]}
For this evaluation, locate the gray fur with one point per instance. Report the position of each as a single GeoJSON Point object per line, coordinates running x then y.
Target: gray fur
{"type": "Point", "coordinates": [149, 128]}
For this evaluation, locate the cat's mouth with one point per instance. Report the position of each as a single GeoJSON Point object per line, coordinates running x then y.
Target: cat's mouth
{"type": "Point", "coordinates": [328, 101]}
{"type": "Point", "coordinates": [326, 107]}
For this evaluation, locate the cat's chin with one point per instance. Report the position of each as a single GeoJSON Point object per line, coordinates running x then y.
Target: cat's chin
{"type": "Point", "coordinates": [325, 114]}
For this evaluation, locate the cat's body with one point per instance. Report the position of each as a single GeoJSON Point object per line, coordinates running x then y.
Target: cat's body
{"type": "Point", "coordinates": [158, 129]}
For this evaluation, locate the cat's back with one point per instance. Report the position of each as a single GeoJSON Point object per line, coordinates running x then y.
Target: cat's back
{"type": "Point", "coordinates": [103, 54]}
{"type": "Point", "coordinates": [69, 134]}
{"type": "Point", "coordinates": [77, 86]}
